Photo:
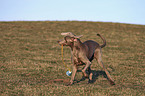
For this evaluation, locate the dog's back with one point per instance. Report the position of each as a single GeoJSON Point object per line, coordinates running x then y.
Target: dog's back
{"type": "Point", "coordinates": [92, 45]}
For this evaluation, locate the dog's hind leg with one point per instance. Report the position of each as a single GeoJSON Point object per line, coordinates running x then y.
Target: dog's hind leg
{"type": "Point", "coordinates": [90, 75]}
{"type": "Point", "coordinates": [98, 56]}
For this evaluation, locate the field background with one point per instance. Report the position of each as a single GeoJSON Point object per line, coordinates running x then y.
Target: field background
{"type": "Point", "coordinates": [30, 59]}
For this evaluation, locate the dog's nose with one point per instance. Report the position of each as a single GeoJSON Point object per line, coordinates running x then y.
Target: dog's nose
{"type": "Point", "coordinates": [59, 41]}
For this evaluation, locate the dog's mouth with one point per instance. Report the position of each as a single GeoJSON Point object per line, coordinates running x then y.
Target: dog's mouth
{"type": "Point", "coordinates": [62, 42]}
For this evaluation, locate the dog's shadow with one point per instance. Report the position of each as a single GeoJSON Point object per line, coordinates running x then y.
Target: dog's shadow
{"type": "Point", "coordinates": [95, 76]}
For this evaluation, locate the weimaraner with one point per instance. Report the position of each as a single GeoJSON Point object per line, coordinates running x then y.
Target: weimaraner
{"type": "Point", "coordinates": [83, 54]}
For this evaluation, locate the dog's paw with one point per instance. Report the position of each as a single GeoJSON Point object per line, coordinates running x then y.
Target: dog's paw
{"type": "Point", "coordinates": [112, 83]}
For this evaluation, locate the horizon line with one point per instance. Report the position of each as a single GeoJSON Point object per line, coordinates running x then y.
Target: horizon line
{"type": "Point", "coordinates": [68, 21]}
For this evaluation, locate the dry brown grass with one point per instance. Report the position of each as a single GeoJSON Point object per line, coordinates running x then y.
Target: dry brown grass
{"type": "Point", "coordinates": [30, 59]}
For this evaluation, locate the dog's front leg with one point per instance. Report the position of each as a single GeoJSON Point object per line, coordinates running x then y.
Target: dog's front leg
{"type": "Point", "coordinates": [73, 74]}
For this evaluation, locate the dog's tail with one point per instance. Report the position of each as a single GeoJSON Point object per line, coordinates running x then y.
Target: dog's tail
{"type": "Point", "coordinates": [104, 41]}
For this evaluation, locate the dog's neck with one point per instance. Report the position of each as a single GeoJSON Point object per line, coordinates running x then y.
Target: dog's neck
{"type": "Point", "coordinates": [76, 44]}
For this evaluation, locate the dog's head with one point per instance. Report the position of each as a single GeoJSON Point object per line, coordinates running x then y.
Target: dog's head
{"type": "Point", "coordinates": [69, 39]}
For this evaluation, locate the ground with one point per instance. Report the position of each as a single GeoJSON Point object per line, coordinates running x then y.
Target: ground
{"type": "Point", "coordinates": [30, 59]}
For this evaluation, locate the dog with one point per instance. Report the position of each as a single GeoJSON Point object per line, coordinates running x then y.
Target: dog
{"type": "Point", "coordinates": [84, 53]}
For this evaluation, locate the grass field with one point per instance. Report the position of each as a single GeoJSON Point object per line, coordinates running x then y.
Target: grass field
{"type": "Point", "coordinates": [30, 59]}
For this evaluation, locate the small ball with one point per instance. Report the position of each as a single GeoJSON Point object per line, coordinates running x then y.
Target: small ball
{"type": "Point", "coordinates": [68, 73]}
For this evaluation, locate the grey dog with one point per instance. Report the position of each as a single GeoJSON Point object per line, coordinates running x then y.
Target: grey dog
{"type": "Point", "coordinates": [83, 54]}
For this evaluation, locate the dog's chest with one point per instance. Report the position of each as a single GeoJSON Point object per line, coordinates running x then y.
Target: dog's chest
{"type": "Point", "coordinates": [76, 57]}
